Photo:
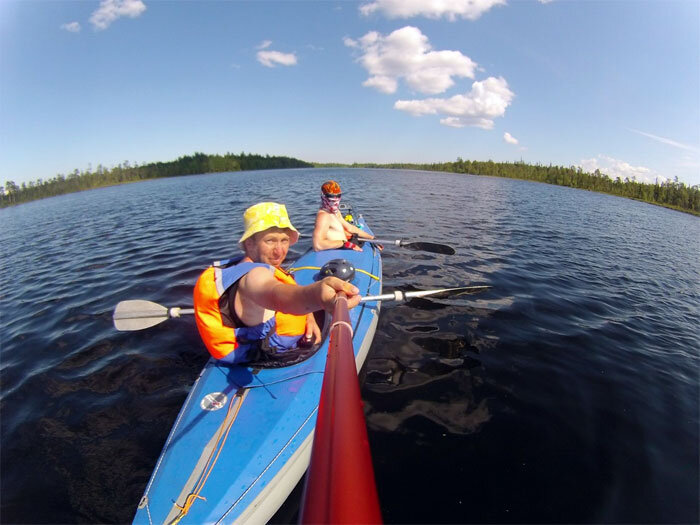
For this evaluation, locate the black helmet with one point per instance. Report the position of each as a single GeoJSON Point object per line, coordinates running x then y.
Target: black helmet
{"type": "Point", "coordinates": [340, 268]}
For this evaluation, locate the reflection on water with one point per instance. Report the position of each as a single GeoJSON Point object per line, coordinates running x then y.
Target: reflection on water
{"type": "Point", "coordinates": [568, 392]}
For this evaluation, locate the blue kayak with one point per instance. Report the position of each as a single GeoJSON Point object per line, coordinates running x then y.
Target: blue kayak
{"type": "Point", "coordinates": [242, 440]}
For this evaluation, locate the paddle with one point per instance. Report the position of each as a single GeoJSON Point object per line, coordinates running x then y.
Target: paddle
{"type": "Point", "coordinates": [137, 314]}
{"type": "Point", "coordinates": [439, 293]}
{"type": "Point", "coordinates": [431, 247]}
{"type": "Point", "coordinates": [341, 462]}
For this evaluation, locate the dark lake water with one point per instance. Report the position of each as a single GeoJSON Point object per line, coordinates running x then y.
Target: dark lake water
{"type": "Point", "coordinates": [567, 393]}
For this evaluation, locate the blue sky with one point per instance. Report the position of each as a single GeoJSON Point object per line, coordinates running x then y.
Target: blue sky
{"type": "Point", "coordinates": [613, 85]}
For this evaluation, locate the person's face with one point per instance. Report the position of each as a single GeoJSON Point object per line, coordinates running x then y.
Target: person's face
{"type": "Point", "coordinates": [270, 246]}
{"type": "Point", "coordinates": [332, 200]}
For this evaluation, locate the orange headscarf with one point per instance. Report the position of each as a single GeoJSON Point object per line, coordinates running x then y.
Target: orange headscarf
{"type": "Point", "coordinates": [331, 187]}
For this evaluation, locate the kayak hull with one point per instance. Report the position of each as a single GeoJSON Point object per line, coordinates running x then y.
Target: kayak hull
{"type": "Point", "coordinates": [243, 438]}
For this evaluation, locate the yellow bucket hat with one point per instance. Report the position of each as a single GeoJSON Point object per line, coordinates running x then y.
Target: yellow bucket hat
{"type": "Point", "coordinates": [266, 215]}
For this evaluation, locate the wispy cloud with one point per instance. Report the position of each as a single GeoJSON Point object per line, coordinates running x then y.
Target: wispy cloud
{"type": "Point", "coordinates": [510, 139]}
{"type": "Point", "coordinates": [274, 58]}
{"type": "Point", "coordinates": [666, 141]}
{"type": "Point", "coordinates": [488, 99]}
{"type": "Point", "coordinates": [406, 54]}
{"type": "Point", "coordinates": [111, 10]}
{"type": "Point", "coordinates": [450, 9]}
{"type": "Point", "coordinates": [71, 27]}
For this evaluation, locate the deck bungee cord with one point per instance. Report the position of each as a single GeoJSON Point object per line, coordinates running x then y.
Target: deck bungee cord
{"type": "Point", "coordinates": [221, 437]}
{"type": "Point", "coordinates": [292, 270]}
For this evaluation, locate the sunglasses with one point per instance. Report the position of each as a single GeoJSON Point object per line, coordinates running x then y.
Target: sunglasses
{"type": "Point", "coordinates": [332, 196]}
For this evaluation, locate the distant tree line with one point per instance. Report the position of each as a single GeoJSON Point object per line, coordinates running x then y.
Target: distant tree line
{"type": "Point", "coordinates": [12, 193]}
{"type": "Point", "coordinates": [671, 194]}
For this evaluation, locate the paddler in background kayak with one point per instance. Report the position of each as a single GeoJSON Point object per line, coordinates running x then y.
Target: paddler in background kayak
{"type": "Point", "coordinates": [249, 309]}
{"type": "Point", "coordinates": [332, 231]}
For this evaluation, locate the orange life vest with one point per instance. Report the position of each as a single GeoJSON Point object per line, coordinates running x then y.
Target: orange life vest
{"type": "Point", "coordinates": [280, 333]}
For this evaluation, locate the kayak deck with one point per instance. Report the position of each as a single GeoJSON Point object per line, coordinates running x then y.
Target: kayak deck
{"type": "Point", "coordinates": [242, 440]}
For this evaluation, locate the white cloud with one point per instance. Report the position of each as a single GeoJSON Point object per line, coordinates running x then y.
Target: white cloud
{"type": "Point", "coordinates": [110, 10]}
{"type": "Point", "coordinates": [488, 99]}
{"type": "Point", "coordinates": [72, 27]}
{"type": "Point", "coordinates": [510, 139]}
{"type": "Point", "coordinates": [667, 141]}
{"type": "Point", "coordinates": [450, 9]}
{"type": "Point", "coordinates": [274, 58]}
{"type": "Point", "coordinates": [406, 54]}
{"type": "Point", "coordinates": [618, 168]}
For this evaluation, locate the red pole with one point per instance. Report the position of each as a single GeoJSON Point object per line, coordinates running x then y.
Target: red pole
{"type": "Point", "coordinates": [340, 485]}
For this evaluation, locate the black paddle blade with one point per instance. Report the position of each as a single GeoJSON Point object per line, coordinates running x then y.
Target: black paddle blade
{"type": "Point", "coordinates": [432, 247]}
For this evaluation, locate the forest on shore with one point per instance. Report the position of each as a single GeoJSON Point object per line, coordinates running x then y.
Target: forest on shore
{"type": "Point", "coordinates": [671, 194]}
{"type": "Point", "coordinates": [196, 164]}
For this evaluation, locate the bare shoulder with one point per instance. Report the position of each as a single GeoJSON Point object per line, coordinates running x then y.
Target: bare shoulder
{"type": "Point", "coordinates": [258, 276]}
{"type": "Point", "coordinates": [323, 218]}
{"type": "Point", "coordinates": [323, 215]}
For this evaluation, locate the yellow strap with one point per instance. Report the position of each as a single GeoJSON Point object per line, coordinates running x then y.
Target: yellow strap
{"type": "Point", "coordinates": [367, 273]}
{"type": "Point", "coordinates": [291, 270]}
